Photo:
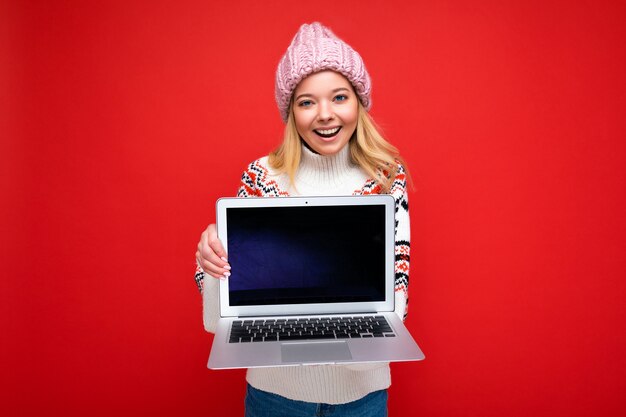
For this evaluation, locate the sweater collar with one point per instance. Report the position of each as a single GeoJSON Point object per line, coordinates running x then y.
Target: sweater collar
{"type": "Point", "coordinates": [325, 169]}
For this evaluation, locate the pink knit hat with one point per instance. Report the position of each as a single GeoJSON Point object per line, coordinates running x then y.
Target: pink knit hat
{"type": "Point", "coordinates": [313, 49]}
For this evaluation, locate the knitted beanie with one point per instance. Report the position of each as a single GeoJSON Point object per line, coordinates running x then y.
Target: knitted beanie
{"type": "Point", "coordinates": [315, 48]}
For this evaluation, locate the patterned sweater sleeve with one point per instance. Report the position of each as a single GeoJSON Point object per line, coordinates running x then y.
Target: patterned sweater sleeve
{"type": "Point", "coordinates": [403, 240]}
{"type": "Point", "coordinates": [209, 286]}
{"type": "Point", "coordinates": [403, 243]}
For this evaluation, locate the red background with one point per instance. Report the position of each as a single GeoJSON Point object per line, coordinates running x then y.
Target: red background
{"type": "Point", "coordinates": [122, 122]}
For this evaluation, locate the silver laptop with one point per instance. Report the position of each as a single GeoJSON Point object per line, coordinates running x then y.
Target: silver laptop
{"type": "Point", "coordinates": [312, 282]}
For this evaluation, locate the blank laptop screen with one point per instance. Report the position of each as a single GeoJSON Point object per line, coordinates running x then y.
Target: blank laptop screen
{"type": "Point", "coordinates": [301, 255]}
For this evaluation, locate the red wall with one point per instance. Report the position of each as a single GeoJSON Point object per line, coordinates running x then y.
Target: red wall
{"type": "Point", "coordinates": [122, 122]}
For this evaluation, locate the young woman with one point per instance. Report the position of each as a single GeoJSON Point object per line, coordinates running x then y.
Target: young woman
{"type": "Point", "coordinates": [330, 147]}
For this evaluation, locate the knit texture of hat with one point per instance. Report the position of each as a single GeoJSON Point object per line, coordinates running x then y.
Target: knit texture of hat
{"type": "Point", "coordinates": [315, 48]}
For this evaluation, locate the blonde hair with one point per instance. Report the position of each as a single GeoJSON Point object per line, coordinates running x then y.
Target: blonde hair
{"type": "Point", "coordinates": [368, 149]}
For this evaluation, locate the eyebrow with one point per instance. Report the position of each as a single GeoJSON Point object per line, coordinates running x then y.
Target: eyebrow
{"type": "Point", "coordinates": [336, 90]}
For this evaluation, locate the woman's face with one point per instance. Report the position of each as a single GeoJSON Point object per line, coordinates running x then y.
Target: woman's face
{"type": "Point", "coordinates": [325, 109]}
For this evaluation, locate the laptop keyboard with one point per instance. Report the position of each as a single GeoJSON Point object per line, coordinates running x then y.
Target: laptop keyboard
{"type": "Point", "coordinates": [273, 330]}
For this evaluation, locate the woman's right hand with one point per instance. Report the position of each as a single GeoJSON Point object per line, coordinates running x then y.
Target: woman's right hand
{"type": "Point", "coordinates": [211, 255]}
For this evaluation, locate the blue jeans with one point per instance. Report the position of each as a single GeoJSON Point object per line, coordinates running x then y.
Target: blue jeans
{"type": "Point", "coordinates": [264, 404]}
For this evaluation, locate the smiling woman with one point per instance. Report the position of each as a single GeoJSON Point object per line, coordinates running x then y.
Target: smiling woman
{"type": "Point", "coordinates": [330, 147]}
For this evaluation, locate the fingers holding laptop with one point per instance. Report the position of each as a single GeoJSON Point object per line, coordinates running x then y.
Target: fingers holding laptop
{"type": "Point", "coordinates": [211, 255]}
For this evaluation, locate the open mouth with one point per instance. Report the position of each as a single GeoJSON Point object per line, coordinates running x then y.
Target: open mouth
{"type": "Point", "coordinates": [327, 133]}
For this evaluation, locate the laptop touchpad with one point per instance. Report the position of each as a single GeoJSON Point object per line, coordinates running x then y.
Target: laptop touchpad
{"type": "Point", "coordinates": [315, 352]}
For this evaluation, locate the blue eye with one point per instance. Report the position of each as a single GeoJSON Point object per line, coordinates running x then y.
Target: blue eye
{"type": "Point", "coordinates": [341, 97]}
{"type": "Point", "coordinates": [305, 103]}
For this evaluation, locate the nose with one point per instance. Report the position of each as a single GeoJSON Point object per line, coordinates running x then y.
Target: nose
{"type": "Point", "coordinates": [325, 111]}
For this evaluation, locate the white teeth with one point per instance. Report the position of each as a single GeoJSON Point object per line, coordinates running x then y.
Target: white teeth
{"type": "Point", "coordinates": [328, 131]}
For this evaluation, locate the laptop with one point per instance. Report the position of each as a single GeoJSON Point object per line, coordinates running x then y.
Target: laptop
{"type": "Point", "coordinates": [312, 282]}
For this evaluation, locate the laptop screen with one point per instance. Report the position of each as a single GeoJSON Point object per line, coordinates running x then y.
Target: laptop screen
{"type": "Point", "coordinates": [304, 255]}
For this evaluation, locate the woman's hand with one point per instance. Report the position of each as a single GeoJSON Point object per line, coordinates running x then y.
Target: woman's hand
{"type": "Point", "coordinates": [211, 255]}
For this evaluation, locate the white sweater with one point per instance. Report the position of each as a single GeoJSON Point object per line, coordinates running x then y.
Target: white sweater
{"type": "Point", "coordinates": [321, 175]}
